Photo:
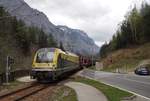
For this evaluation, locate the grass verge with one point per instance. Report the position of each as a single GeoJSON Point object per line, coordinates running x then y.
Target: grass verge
{"type": "Point", "coordinates": [63, 93]}
{"type": "Point", "coordinates": [113, 94]}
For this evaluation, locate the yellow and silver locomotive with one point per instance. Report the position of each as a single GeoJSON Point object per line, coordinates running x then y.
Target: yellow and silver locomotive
{"type": "Point", "coordinates": [51, 63]}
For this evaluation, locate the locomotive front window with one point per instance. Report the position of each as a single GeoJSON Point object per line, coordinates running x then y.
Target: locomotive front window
{"type": "Point", "coordinates": [44, 56]}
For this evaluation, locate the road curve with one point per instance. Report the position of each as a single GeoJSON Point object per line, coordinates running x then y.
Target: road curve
{"type": "Point", "coordinates": [86, 92]}
{"type": "Point", "coordinates": [134, 83]}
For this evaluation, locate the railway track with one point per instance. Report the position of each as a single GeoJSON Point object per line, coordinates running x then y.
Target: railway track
{"type": "Point", "coordinates": [24, 93]}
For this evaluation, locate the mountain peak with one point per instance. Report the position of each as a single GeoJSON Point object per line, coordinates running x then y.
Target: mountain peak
{"type": "Point", "coordinates": [73, 40]}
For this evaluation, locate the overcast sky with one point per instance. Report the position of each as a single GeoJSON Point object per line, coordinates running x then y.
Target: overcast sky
{"type": "Point", "coordinates": [98, 18]}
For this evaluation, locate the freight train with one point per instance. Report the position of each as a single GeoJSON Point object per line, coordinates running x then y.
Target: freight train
{"type": "Point", "coordinates": [49, 64]}
{"type": "Point", "coordinates": [85, 61]}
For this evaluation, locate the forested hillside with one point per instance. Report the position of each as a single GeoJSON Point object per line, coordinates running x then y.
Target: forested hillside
{"type": "Point", "coordinates": [20, 41]}
{"type": "Point", "coordinates": [74, 40]}
{"type": "Point", "coordinates": [134, 30]}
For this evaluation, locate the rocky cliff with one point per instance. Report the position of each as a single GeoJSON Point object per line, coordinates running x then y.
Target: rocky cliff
{"type": "Point", "coordinates": [72, 39]}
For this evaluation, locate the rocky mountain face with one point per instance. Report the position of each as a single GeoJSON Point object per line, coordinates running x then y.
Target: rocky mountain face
{"type": "Point", "coordinates": [77, 40]}
{"type": "Point", "coordinates": [72, 39]}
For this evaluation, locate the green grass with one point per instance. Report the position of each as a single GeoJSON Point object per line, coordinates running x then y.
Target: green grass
{"type": "Point", "coordinates": [63, 93]}
{"type": "Point", "coordinates": [113, 94]}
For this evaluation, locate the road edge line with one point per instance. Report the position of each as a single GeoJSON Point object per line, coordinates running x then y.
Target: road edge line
{"type": "Point", "coordinates": [125, 90]}
{"type": "Point", "coordinates": [117, 87]}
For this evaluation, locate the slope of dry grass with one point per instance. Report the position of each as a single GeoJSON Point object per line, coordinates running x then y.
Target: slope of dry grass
{"type": "Point", "coordinates": [127, 59]}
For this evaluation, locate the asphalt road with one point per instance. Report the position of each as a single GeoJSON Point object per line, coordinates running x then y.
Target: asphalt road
{"type": "Point", "coordinates": [134, 83]}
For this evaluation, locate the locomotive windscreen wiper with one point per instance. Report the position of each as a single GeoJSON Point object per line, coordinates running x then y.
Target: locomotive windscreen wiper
{"type": "Point", "coordinates": [45, 57]}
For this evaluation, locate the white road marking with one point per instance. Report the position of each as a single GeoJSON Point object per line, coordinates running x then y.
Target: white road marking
{"type": "Point", "coordinates": [117, 87]}
{"type": "Point", "coordinates": [146, 83]}
{"type": "Point", "coordinates": [125, 90]}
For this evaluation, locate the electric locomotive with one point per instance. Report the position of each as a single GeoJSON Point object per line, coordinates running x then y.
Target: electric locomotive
{"type": "Point", "coordinates": [52, 63]}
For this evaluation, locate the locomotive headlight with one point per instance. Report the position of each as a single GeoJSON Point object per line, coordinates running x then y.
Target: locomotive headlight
{"type": "Point", "coordinates": [54, 66]}
{"type": "Point", "coordinates": [33, 65]}
{"type": "Point", "coordinates": [33, 73]}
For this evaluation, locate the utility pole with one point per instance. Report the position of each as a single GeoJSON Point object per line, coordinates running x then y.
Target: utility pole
{"type": "Point", "coordinates": [9, 62]}
{"type": "Point", "coordinates": [7, 70]}
{"type": "Point", "coordinates": [92, 56]}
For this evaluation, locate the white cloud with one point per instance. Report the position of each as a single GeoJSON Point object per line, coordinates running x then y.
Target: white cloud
{"type": "Point", "coordinates": [99, 18]}
{"type": "Point", "coordinates": [99, 43]}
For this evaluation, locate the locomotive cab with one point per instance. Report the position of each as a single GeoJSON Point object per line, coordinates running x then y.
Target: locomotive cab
{"type": "Point", "coordinates": [44, 63]}
{"type": "Point", "coordinates": [52, 63]}
{"type": "Point", "coordinates": [44, 58]}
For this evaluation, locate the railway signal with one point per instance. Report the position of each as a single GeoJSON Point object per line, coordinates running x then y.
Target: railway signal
{"type": "Point", "coordinates": [10, 61]}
